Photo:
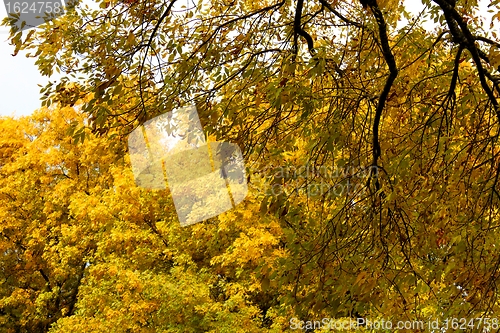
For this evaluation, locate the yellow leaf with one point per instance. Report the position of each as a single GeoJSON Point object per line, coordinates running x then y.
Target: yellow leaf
{"type": "Point", "coordinates": [494, 56]}
{"type": "Point", "coordinates": [130, 38]}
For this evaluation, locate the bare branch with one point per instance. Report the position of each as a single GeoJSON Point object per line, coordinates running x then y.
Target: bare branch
{"type": "Point", "coordinates": [393, 73]}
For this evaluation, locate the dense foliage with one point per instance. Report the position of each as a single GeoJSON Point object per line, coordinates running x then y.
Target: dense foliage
{"type": "Point", "coordinates": [372, 159]}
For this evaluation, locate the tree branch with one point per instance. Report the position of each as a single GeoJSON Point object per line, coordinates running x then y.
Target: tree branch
{"type": "Point", "coordinates": [148, 46]}
{"type": "Point", "coordinates": [297, 28]}
{"type": "Point", "coordinates": [340, 16]}
{"type": "Point", "coordinates": [461, 33]}
{"type": "Point", "coordinates": [393, 73]}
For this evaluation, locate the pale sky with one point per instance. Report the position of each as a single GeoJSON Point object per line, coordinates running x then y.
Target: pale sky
{"type": "Point", "coordinates": [19, 76]}
{"type": "Point", "coordinates": [19, 93]}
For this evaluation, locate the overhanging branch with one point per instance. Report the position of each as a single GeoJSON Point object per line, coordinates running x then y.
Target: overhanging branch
{"type": "Point", "coordinates": [462, 34]}
{"type": "Point", "coordinates": [298, 31]}
{"type": "Point", "coordinates": [393, 73]}
{"type": "Point", "coordinates": [148, 46]}
{"type": "Point", "coordinates": [339, 15]}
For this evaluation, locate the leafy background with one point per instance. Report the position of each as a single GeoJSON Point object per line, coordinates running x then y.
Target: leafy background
{"type": "Point", "coordinates": [408, 118]}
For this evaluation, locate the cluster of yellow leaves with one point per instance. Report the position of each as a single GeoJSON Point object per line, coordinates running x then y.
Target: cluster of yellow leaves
{"type": "Point", "coordinates": [85, 250]}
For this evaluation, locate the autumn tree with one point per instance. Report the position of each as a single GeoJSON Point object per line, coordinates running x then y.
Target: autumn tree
{"type": "Point", "coordinates": [360, 93]}
{"type": "Point", "coordinates": [83, 249]}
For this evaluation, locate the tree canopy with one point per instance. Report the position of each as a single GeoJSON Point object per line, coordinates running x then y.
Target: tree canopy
{"type": "Point", "coordinates": [371, 145]}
